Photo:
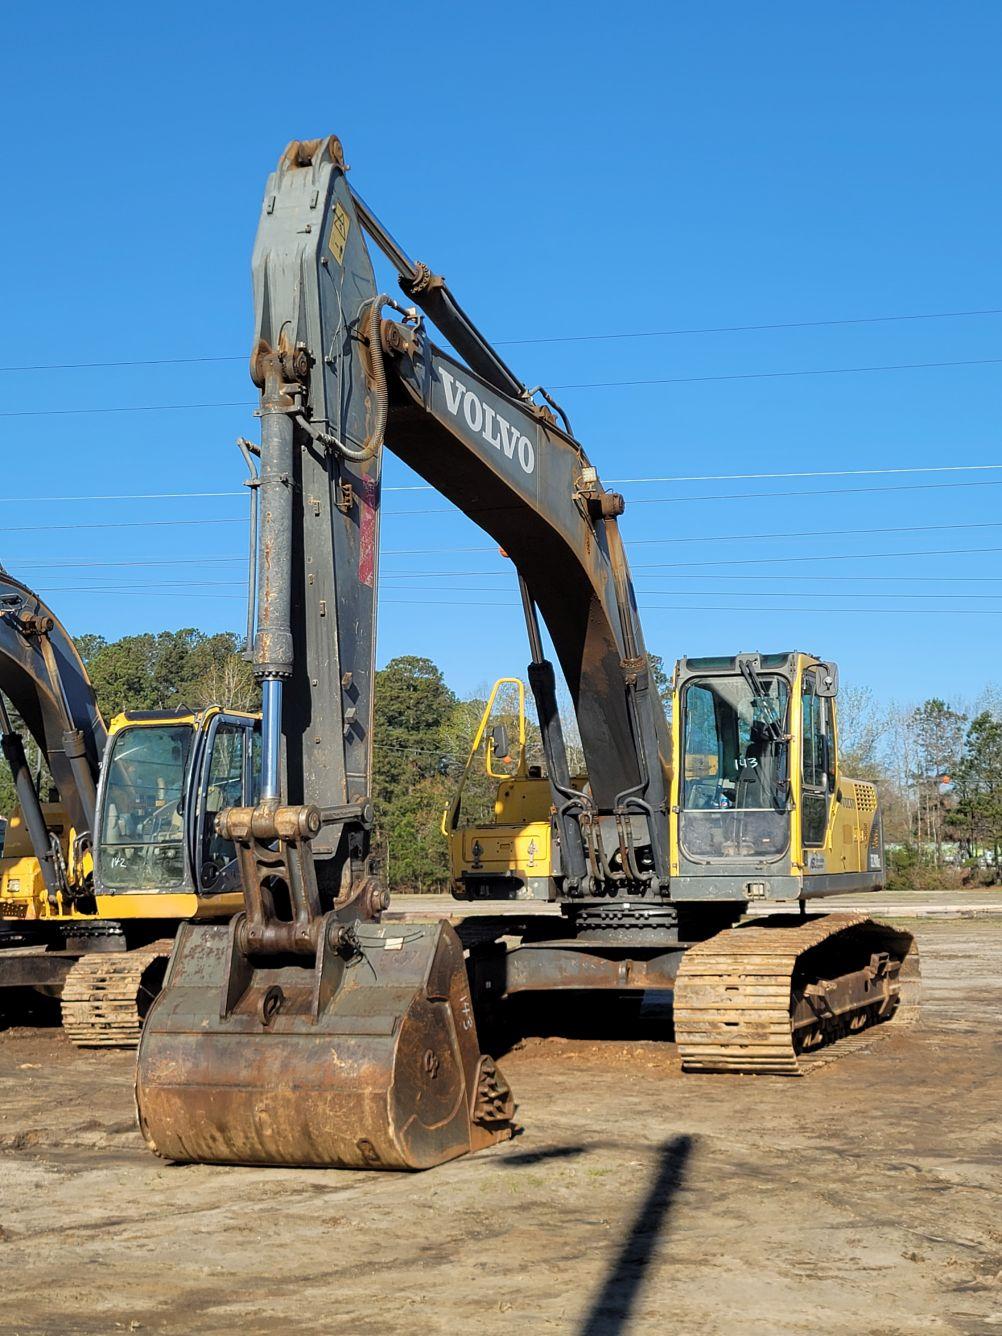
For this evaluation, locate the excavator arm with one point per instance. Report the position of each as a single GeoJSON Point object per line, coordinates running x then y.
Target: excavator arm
{"type": "Point", "coordinates": [338, 380]}
{"type": "Point", "coordinates": [43, 677]}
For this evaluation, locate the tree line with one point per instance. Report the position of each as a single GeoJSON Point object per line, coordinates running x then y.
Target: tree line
{"type": "Point", "coordinates": [937, 765]}
{"type": "Point", "coordinates": [423, 729]}
{"type": "Point", "coordinates": [938, 769]}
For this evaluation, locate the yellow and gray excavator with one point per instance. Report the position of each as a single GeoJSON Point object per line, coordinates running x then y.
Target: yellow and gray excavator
{"type": "Point", "coordinates": [95, 876]}
{"type": "Point", "coordinates": [309, 1030]}
{"type": "Point", "coordinates": [761, 808]}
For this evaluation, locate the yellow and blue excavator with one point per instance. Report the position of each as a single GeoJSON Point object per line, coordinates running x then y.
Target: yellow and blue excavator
{"type": "Point", "coordinates": [96, 875]}
{"type": "Point", "coordinates": [309, 1030]}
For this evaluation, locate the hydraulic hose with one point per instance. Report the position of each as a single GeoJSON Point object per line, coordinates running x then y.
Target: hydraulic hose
{"type": "Point", "coordinates": [377, 381]}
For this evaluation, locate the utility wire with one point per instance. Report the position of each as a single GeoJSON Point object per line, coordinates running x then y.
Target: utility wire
{"type": "Point", "coordinates": [212, 559]}
{"type": "Point", "coordinates": [809, 491]}
{"type": "Point", "coordinates": [566, 385]}
{"type": "Point", "coordinates": [810, 473]}
{"type": "Point", "coordinates": [756, 537]}
{"type": "Point", "coordinates": [745, 329]}
{"type": "Point", "coordinates": [755, 561]}
{"type": "Point", "coordinates": [558, 338]}
{"type": "Point", "coordinates": [667, 607]}
{"type": "Point", "coordinates": [647, 607]}
{"type": "Point", "coordinates": [425, 487]}
{"type": "Point", "coordinates": [123, 524]}
{"type": "Point", "coordinates": [765, 375]}
{"type": "Point", "coordinates": [636, 501]}
{"type": "Point", "coordinates": [124, 408]}
{"type": "Point", "coordinates": [121, 496]}
{"type": "Point", "coordinates": [647, 592]}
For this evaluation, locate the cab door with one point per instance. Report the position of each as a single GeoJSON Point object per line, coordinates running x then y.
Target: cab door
{"type": "Point", "coordinates": [229, 776]}
{"type": "Point", "coordinates": [817, 774]}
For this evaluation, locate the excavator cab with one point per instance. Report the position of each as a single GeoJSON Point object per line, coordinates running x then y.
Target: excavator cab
{"type": "Point", "coordinates": [761, 807]}
{"type": "Point", "coordinates": [499, 822]}
{"type": "Point", "coordinates": [155, 854]}
{"type": "Point", "coordinates": [165, 778]}
{"type": "Point", "coordinates": [113, 841]}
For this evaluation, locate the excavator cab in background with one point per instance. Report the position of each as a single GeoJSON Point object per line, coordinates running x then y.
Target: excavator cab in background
{"type": "Point", "coordinates": [97, 879]}
{"type": "Point", "coordinates": [310, 1032]}
{"type": "Point", "coordinates": [499, 823]}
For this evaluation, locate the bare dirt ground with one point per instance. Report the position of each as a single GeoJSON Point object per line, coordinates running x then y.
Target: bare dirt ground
{"type": "Point", "coordinates": [864, 1198]}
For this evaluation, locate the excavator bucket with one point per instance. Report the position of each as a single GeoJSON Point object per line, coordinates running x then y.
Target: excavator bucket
{"type": "Point", "coordinates": [366, 1058]}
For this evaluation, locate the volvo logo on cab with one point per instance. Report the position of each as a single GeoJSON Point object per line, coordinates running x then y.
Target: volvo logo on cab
{"type": "Point", "coordinates": [482, 418]}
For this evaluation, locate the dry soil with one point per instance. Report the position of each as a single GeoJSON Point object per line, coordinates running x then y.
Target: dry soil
{"type": "Point", "coordinates": [864, 1198]}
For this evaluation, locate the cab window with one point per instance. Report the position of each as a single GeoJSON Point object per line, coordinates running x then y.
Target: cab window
{"type": "Point", "coordinates": [814, 768]}
{"type": "Point", "coordinates": [232, 780]}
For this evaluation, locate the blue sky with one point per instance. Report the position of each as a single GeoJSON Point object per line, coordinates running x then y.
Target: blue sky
{"type": "Point", "coordinates": [688, 167]}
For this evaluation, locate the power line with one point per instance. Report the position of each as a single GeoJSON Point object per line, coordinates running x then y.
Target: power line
{"type": "Point", "coordinates": [76, 564]}
{"type": "Point", "coordinates": [647, 592]}
{"type": "Point", "coordinates": [425, 487]}
{"type": "Point", "coordinates": [143, 591]}
{"type": "Point", "coordinates": [812, 491]}
{"type": "Point", "coordinates": [811, 533]}
{"type": "Point", "coordinates": [123, 524]}
{"type": "Point", "coordinates": [810, 473]}
{"type": "Point", "coordinates": [832, 556]}
{"type": "Point", "coordinates": [751, 496]}
{"type": "Point", "coordinates": [667, 607]}
{"type": "Point", "coordinates": [212, 559]}
{"type": "Point", "coordinates": [659, 500]}
{"type": "Point", "coordinates": [745, 329]}
{"type": "Point", "coordinates": [139, 592]}
{"type": "Point", "coordinates": [119, 496]}
{"type": "Point", "coordinates": [746, 561]}
{"type": "Point", "coordinates": [569, 385]}
{"type": "Point", "coordinates": [791, 533]}
{"type": "Point", "coordinates": [124, 408]}
{"type": "Point", "coordinates": [553, 338]}
{"type": "Point", "coordinates": [766, 375]}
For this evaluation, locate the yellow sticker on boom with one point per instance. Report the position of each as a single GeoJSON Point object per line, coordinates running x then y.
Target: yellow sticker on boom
{"type": "Point", "coordinates": [338, 238]}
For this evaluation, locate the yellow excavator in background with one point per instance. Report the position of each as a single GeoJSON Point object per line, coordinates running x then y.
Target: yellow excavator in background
{"type": "Point", "coordinates": [94, 882]}
{"type": "Point", "coordinates": [506, 856]}
{"type": "Point", "coordinates": [308, 1030]}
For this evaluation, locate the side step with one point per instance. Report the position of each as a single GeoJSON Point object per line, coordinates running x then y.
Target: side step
{"type": "Point", "coordinates": [107, 995]}
{"type": "Point", "coordinates": [772, 996]}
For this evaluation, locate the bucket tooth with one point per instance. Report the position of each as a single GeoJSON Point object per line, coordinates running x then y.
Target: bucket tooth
{"type": "Point", "coordinates": [365, 1060]}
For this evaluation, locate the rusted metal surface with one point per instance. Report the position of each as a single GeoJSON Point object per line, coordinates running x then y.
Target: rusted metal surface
{"type": "Point", "coordinates": [773, 995]}
{"type": "Point", "coordinates": [30, 968]}
{"type": "Point", "coordinates": [107, 996]}
{"type": "Point", "coordinates": [364, 1060]}
{"type": "Point", "coordinates": [545, 967]}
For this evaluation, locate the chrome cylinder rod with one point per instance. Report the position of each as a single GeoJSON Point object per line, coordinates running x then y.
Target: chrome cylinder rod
{"type": "Point", "coordinates": [271, 737]}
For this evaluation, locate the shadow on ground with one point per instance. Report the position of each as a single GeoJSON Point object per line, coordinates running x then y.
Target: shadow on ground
{"type": "Point", "coordinates": [619, 1017]}
{"type": "Point", "coordinates": [610, 1312]}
